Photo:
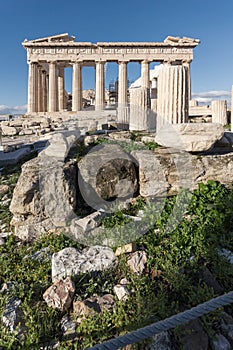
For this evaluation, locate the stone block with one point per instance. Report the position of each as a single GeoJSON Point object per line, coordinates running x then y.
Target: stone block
{"type": "Point", "coordinates": [190, 137]}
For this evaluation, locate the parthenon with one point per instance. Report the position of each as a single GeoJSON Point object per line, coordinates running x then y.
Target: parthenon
{"type": "Point", "coordinates": [48, 57]}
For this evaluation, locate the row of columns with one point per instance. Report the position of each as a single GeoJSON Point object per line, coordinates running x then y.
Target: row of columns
{"type": "Point", "coordinates": [46, 86]}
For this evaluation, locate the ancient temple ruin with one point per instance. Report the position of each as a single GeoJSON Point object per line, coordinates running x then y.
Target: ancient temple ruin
{"type": "Point", "coordinates": [48, 57]}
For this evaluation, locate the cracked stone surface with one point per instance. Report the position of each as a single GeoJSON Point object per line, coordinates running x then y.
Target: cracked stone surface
{"type": "Point", "coordinates": [71, 261]}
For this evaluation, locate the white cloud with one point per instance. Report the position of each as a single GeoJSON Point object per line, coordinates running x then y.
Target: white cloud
{"type": "Point", "coordinates": [208, 96]}
{"type": "Point", "coordinates": [13, 110]}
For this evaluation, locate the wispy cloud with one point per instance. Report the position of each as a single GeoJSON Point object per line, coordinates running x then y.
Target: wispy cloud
{"type": "Point", "coordinates": [13, 110]}
{"type": "Point", "coordinates": [208, 96]}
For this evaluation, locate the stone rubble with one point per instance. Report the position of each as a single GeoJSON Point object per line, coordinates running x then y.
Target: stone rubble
{"type": "Point", "coordinates": [71, 261]}
{"type": "Point", "coordinates": [161, 341]}
{"type": "Point", "coordinates": [221, 343]}
{"type": "Point", "coordinates": [90, 306]}
{"type": "Point", "coordinates": [226, 326]}
{"type": "Point", "coordinates": [4, 189]}
{"type": "Point", "coordinates": [68, 326]}
{"type": "Point", "coordinates": [60, 294]}
{"type": "Point", "coordinates": [121, 291]}
{"type": "Point", "coordinates": [41, 255]}
{"type": "Point", "coordinates": [128, 248]}
{"type": "Point", "coordinates": [13, 317]}
{"type": "Point", "coordinates": [86, 308]}
{"type": "Point", "coordinates": [137, 262]}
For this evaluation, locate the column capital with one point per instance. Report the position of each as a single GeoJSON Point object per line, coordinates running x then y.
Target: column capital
{"type": "Point", "coordinates": [145, 62]}
{"type": "Point", "coordinates": [33, 62]}
{"type": "Point", "coordinates": [186, 61]}
{"type": "Point", "coordinates": [123, 61]}
{"type": "Point", "coordinates": [76, 62]}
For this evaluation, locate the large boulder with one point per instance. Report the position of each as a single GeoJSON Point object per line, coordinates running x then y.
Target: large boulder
{"type": "Point", "coordinates": [190, 137]}
{"type": "Point", "coordinates": [165, 171]}
{"type": "Point", "coordinates": [107, 173]}
{"type": "Point", "coordinates": [43, 194]}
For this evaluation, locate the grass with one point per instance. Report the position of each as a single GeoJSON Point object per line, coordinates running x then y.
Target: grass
{"type": "Point", "coordinates": [171, 282]}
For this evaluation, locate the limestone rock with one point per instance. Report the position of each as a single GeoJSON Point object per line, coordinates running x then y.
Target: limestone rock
{"type": "Point", "coordinates": [68, 326]}
{"type": "Point", "coordinates": [88, 222]}
{"type": "Point", "coordinates": [89, 139]}
{"type": "Point", "coordinates": [60, 294]}
{"type": "Point", "coordinates": [221, 343]}
{"type": "Point", "coordinates": [121, 292]}
{"type": "Point", "coordinates": [106, 302]}
{"type": "Point", "coordinates": [43, 254]}
{"type": "Point", "coordinates": [137, 261]}
{"type": "Point", "coordinates": [4, 189]}
{"type": "Point", "coordinates": [190, 137]}
{"type": "Point", "coordinates": [13, 317]}
{"type": "Point", "coordinates": [128, 248]}
{"type": "Point", "coordinates": [26, 196]}
{"type": "Point", "coordinates": [165, 171]}
{"type": "Point", "coordinates": [28, 132]}
{"type": "Point", "coordinates": [226, 327]}
{"type": "Point", "coordinates": [161, 341]}
{"type": "Point", "coordinates": [17, 123]}
{"type": "Point", "coordinates": [8, 130]}
{"type": "Point", "coordinates": [148, 139]}
{"type": "Point", "coordinates": [9, 288]}
{"type": "Point", "coordinates": [44, 191]}
{"type": "Point", "coordinates": [121, 135]}
{"type": "Point", "coordinates": [86, 308]}
{"type": "Point", "coordinates": [105, 173]}
{"type": "Point", "coordinates": [60, 144]}
{"type": "Point", "coordinates": [70, 261]}
{"type": "Point", "coordinates": [30, 229]}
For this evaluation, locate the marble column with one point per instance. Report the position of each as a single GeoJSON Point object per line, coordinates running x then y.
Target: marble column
{"type": "Point", "coordinates": [145, 74]}
{"type": "Point", "coordinates": [122, 112]}
{"type": "Point", "coordinates": [47, 85]}
{"type": "Point", "coordinates": [219, 111]}
{"type": "Point", "coordinates": [40, 91]}
{"type": "Point", "coordinates": [32, 87]}
{"type": "Point", "coordinates": [44, 92]}
{"type": "Point", "coordinates": [141, 117]}
{"type": "Point", "coordinates": [100, 87]}
{"type": "Point", "coordinates": [61, 91]}
{"type": "Point", "coordinates": [173, 94]}
{"type": "Point", "coordinates": [77, 87]}
{"type": "Point", "coordinates": [53, 87]}
{"type": "Point", "coordinates": [187, 64]}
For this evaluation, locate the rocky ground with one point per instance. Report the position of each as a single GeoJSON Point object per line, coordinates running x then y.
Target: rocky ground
{"type": "Point", "coordinates": [57, 291]}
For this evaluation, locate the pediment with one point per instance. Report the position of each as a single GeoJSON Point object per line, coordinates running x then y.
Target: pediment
{"type": "Point", "coordinates": [54, 38]}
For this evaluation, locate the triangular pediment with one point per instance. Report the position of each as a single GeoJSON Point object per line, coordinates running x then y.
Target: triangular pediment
{"type": "Point", "coordinates": [54, 38]}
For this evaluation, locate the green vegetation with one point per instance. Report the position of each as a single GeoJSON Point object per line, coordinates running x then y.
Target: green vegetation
{"type": "Point", "coordinates": [173, 280]}
{"type": "Point", "coordinates": [127, 146]}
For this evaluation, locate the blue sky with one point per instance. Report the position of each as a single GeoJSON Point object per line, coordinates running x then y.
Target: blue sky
{"type": "Point", "coordinates": [129, 20]}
